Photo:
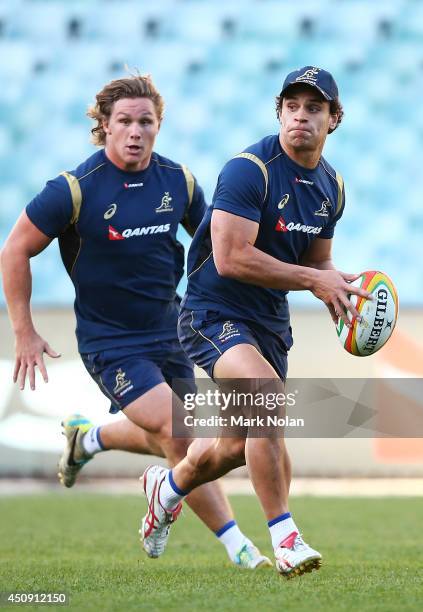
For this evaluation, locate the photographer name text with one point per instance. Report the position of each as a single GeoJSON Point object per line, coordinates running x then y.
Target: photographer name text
{"type": "Point", "coordinates": [269, 420]}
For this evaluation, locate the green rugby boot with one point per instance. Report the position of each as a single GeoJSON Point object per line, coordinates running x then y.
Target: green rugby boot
{"type": "Point", "coordinates": [74, 456]}
{"type": "Point", "coordinates": [249, 557]}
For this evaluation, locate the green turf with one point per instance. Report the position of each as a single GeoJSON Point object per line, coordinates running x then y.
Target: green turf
{"type": "Point", "coordinates": [87, 546]}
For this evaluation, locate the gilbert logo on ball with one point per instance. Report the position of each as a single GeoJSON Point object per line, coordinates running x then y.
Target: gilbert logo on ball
{"type": "Point", "coordinates": [379, 315]}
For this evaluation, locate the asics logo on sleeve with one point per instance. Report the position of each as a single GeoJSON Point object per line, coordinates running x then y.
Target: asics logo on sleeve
{"type": "Point", "coordinates": [137, 231]}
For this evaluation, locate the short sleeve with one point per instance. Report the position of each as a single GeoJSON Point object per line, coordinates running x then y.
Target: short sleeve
{"type": "Point", "coordinates": [196, 209]}
{"type": "Point", "coordinates": [329, 229]}
{"type": "Point", "coordinates": [241, 189]}
{"type": "Point", "coordinates": [51, 210]}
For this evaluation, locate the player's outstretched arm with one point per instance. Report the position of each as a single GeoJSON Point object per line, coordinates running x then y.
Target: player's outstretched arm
{"type": "Point", "coordinates": [235, 256]}
{"type": "Point", "coordinates": [24, 241]}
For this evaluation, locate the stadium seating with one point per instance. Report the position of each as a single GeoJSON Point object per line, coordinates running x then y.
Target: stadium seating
{"type": "Point", "coordinates": [219, 66]}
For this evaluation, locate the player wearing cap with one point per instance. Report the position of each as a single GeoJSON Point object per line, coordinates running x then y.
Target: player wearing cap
{"type": "Point", "coordinates": [116, 217]}
{"type": "Point", "coordinates": [269, 231]}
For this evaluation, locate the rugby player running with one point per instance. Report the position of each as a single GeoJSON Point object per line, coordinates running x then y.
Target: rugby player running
{"type": "Point", "coordinates": [268, 231]}
{"type": "Point", "coordinates": [116, 218]}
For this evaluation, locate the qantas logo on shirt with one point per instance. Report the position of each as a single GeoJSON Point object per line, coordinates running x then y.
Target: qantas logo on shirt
{"type": "Point", "coordinates": [114, 234]}
{"type": "Point", "coordinates": [137, 231]}
{"type": "Point", "coordinates": [133, 185]}
{"type": "Point", "coordinates": [281, 226]}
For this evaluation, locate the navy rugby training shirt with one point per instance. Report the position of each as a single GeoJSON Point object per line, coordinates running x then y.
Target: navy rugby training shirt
{"type": "Point", "coordinates": [122, 254]}
{"type": "Point", "coordinates": [293, 206]}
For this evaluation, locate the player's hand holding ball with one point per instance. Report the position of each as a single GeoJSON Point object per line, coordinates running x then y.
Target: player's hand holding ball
{"type": "Point", "coordinates": [335, 288]}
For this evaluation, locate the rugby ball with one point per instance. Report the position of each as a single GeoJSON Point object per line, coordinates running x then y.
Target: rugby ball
{"type": "Point", "coordinates": [379, 315]}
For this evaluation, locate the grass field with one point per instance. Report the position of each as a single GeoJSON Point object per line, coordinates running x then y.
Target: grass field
{"type": "Point", "coordinates": [87, 546]}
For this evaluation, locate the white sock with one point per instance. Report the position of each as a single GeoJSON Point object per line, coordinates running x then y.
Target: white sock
{"type": "Point", "coordinates": [91, 441]}
{"type": "Point", "coordinates": [232, 538]}
{"type": "Point", "coordinates": [170, 494]}
{"type": "Point", "coordinates": [281, 527]}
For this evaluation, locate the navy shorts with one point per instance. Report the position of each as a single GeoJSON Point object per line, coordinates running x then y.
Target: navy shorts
{"type": "Point", "coordinates": [205, 336]}
{"type": "Point", "coordinates": [124, 374]}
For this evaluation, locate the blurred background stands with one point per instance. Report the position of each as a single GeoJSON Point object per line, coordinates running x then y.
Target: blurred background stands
{"type": "Point", "coordinates": [219, 66]}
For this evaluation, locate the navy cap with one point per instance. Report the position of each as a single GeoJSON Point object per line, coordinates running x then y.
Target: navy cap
{"type": "Point", "coordinates": [316, 77]}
